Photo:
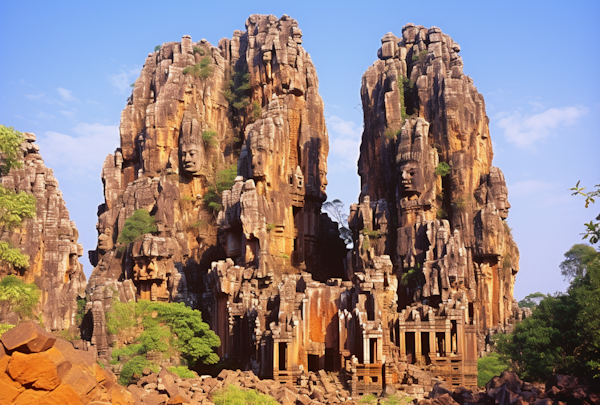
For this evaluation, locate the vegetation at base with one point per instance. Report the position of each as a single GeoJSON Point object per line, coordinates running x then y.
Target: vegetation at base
{"type": "Point", "coordinates": [563, 334]}
{"type": "Point", "coordinates": [442, 169]}
{"type": "Point", "coordinates": [10, 144]}
{"type": "Point", "coordinates": [182, 372]}
{"type": "Point", "coordinates": [532, 300]}
{"type": "Point", "coordinates": [202, 70]}
{"type": "Point", "coordinates": [368, 399]}
{"type": "Point", "coordinates": [5, 327]}
{"type": "Point", "coordinates": [172, 329]}
{"type": "Point", "coordinates": [209, 138]}
{"type": "Point", "coordinates": [490, 366]}
{"type": "Point", "coordinates": [396, 399]}
{"type": "Point", "coordinates": [19, 297]}
{"type": "Point", "coordinates": [224, 180]}
{"type": "Point", "coordinates": [236, 396]}
{"type": "Point", "coordinates": [140, 223]}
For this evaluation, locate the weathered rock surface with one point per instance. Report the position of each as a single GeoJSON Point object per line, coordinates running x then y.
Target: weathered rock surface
{"type": "Point", "coordinates": [37, 368]}
{"type": "Point", "coordinates": [49, 239]}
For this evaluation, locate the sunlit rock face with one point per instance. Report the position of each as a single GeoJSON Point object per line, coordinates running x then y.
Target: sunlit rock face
{"type": "Point", "coordinates": [50, 239]}
{"type": "Point", "coordinates": [444, 226]}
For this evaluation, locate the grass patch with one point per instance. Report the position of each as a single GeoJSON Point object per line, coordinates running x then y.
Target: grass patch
{"type": "Point", "coordinates": [182, 372]}
{"type": "Point", "coordinates": [368, 399]}
{"type": "Point", "coordinates": [236, 396]}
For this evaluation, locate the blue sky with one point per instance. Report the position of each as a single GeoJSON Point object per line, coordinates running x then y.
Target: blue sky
{"type": "Point", "coordinates": [66, 69]}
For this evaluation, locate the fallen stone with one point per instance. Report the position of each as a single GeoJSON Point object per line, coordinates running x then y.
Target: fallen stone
{"type": "Point", "coordinates": [29, 337]}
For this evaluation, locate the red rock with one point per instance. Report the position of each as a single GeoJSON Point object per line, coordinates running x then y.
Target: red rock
{"type": "Point", "coordinates": [28, 337]}
{"type": "Point", "coordinates": [63, 394]}
{"type": "Point", "coordinates": [8, 392]}
{"type": "Point", "coordinates": [33, 368]}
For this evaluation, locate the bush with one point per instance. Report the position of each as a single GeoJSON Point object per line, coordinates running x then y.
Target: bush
{"type": "Point", "coordinates": [236, 396]}
{"type": "Point", "coordinates": [372, 234]}
{"type": "Point", "coordinates": [198, 50]}
{"type": "Point", "coordinates": [368, 399]}
{"type": "Point", "coordinates": [224, 180]}
{"type": "Point", "coordinates": [134, 367]}
{"type": "Point", "coordinates": [443, 169]}
{"type": "Point", "coordinates": [19, 297]}
{"type": "Point", "coordinates": [121, 316]}
{"type": "Point", "coordinates": [157, 48]}
{"type": "Point", "coordinates": [490, 366]}
{"type": "Point", "coordinates": [202, 70]}
{"type": "Point", "coordinates": [15, 207]}
{"type": "Point", "coordinates": [13, 257]}
{"type": "Point", "coordinates": [209, 138]}
{"type": "Point", "coordinates": [140, 223]}
{"type": "Point", "coordinates": [182, 372]}
{"type": "Point", "coordinates": [10, 147]}
{"type": "Point", "coordinates": [256, 110]}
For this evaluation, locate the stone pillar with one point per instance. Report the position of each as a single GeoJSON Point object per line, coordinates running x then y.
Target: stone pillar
{"type": "Point", "coordinates": [418, 348]}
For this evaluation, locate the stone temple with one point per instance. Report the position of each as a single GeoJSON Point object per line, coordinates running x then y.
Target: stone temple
{"type": "Point", "coordinates": [431, 272]}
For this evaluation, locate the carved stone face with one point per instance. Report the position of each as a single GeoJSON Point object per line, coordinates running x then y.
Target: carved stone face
{"type": "Point", "coordinates": [191, 159]}
{"type": "Point", "coordinates": [411, 177]}
{"type": "Point", "coordinates": [105, 240]}
{"type": "Point", "coordinates": [502, 204]}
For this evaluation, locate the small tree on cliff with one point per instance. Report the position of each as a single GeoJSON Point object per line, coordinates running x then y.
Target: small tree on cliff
{"type": "Point", "coordinates": [140, 223]}
{"type": "Point", "coordinates": [335, 209]}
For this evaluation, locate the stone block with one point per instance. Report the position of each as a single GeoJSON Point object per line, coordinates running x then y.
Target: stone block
{"type": "Point", "coordinates": [34, 369]}
{"type": "Point", "coordinates": [28, 337]}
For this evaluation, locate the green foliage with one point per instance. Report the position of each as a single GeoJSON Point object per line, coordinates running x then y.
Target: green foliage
{"type": "Point", "coordinates": [100, 363]}
{"type": "Point", "coordinates": [236, 396]}
{"type": "Point", "coordinates": [157, 48]}
{"type": "Point", "coordinates": [140, 223]}
{"type": "Point", "coordinates": [209, 138]}
{"type": "Point", "coordinates": [237, 92]}
{"type": "Point", "coordinates": [127, 352]}
{"type": "Point", "coordinates": [396, 399]}
{"type": "Point", "coordinates": [202, 70]}
{"type": "Point", "coordinates": [368, 399]}
{"type": "Point", "coordinates": [532, 300]}
{"type": "Point", "coordinates": [199, 50]}
{"type": "Point", "coordinates": [577, 260]}
{"type": "Point", "coordinates": [19, 297]}
{"type": "Point", "coordinates": [372, 234]}
{"type": "Point", "coordinates": [563, 334]}
{"type": "Point", "coordinates": [441, 214]}
{"type": "Point", "coordinates": [592, 228]}
{"type": "Point", "coordinates": [284, 256]}
{"type": "Point", "coordinates": [411, 276]}
{"type": "Point", "coordinates": [391, 134]}
{"type": "Point", "coordinates": [224, 180]}
{"type": "Point", "coordinates": [460, 204]}
{"type": "Point", "coordinates": [442, 169]}
{"type": "Point", "coordinates": [490, 366]}
{"type": "Point", "coordinates": [134, 367]}
{"type": "Point", "coordinates": [270, 227]}
{"type": "Point", "coordinates": [182, 372]}
{"type": "Point", "coordinates": [420, 57]}
{"type": "Point", "coordinates": [256, 110]}
{"type": "Point", "coordinates": [69, 335]}
{"type": "Point", "coordinates": [10, 145]}
{"type": "Point", "coordinates": [121, 317]}
{"type": "Point", "coordinates": [5, 327]}
{"type": "Point", "coordinates": [13, 256]}
{"type": "Point", "coordinates": [132, 85]}
{"type": "Point", "coordinates": [15, 207]}
{"type": "Point", "coordinates": [80, 309]}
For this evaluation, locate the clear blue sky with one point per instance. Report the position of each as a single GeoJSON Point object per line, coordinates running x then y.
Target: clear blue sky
{"type": "Point", "coordinates": [67, 65]}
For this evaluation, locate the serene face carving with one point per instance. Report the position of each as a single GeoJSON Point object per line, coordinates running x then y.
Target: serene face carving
{"type": "Point", "coordinates": [502, 204]}
{"type": "Point", "coordinates": [191, 159]}
{"type": "Point", "coordinates": [105, 240]}
{"type": "Point", "coordinates": [411, 177]}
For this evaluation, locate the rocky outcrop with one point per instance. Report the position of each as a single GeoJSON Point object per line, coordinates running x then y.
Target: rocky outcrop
{"type": "Point", "coordinates": [38, 368]}
{"type": "Point", "coordinates": [50, 239]}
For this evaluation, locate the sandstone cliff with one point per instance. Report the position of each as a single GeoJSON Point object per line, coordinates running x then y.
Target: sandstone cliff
{"type": "Point", "coordinates": [49, 239]}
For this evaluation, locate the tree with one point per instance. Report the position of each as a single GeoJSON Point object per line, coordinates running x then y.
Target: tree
{"type": "Point", "coordinates": [15, 207]}
{"type": "Point", "coordinates": [576, 261]}
{"type": "Point", "coordinates": [140, 223]}
{"type": "Point", "coordinates": [18, 297]}
{"type": "Point", "coordinates": [10, 143]}
{"type": "Point", "coordinates": [532, 300]}
{"type": "Point", "coordinates": [223, 180]}
{"type": "Point", "coordinates": [335, 209]}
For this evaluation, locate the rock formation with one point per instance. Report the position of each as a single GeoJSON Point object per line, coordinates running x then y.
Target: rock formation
{"type": "Point", "coordinates": [226, 147]}
{"type": "Point", "coordinates": [49, 239]}
{"type": "Point", "coordinates": [38, 368]}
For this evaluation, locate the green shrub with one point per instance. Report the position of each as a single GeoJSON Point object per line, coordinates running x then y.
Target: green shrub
{"type": "Point", "coordinates": [209, 138]}
{"type": "Point", "coordinates": [488, 367]}
{"type": "Point", "coordinates": [10, 148]}
{"type": "Point", "coordinates": [224, 180]}
{"type": "Point", "coordinates": [15, 207]}
{"type": "Point", "coordinates": [19, 297]}
{"type": "Point", "coordinates": [132, 85]}
{"type": "Point", "coordinates": [441, 214]}
{"type": "Point", "coordinates": [368, 399]}
{"type": "Point", "coordinates": [182, 372]}
{"type": "Point", "coordinates": [157, 48]}
{"type": "Point", "coordinates": [140, 223]}
{"type": "Point", "coordinates": [121, 316]}
{"type": "Point", "coordinates": [127, 352]}
{"type": "Point", "coordinates": [442, 169]}
{"type": "Point", "coordinates": [403, 83]}
{"type": "Point", "coordinates": [391, 134]}
{"type": "Point", "coordinates": [270, 227]}
{"type": "Point", "coordinates": [13, 256]}
{"type": "Point", "coordinates": [460, 204]}
{"type": "Point", "coordinates": [199, 50]}
{"type": "Point", "coordinates": [284, 256]}
{"type": "Point", "coordinates": [238, 91]}
{"type": "Point", "coordinates": [134, 367]}
{"type": "Point", "coordinates": [236, 396]}
{"type": "Point", "coordinates": [5, 327]}
{"type": "Point", "coordinates": [410, 277]}
{"type": "Point", "coordinates": [202, 70]}
{"type": "Point", "coordinates": [373, 234]}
